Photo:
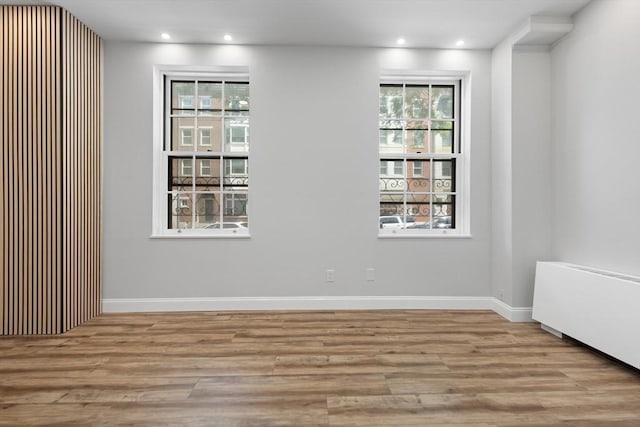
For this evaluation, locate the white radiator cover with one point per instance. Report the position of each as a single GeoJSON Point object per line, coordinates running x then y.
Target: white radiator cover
{"type": "Point", "coordinates": [599, 308]}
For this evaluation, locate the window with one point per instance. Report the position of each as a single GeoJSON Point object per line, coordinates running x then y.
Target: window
{"type": "Point", "coordinates": [205, 136]}
{"type": "Point", "coordinates": [418, 167]}
{"type": "Point", "coordinates": [186, 101]}
{"type": "Point", "coordinates": [186, 167]}
{"type": "Point", "coordinates": [205, 167]}
{"type": "Point", "coordinates": [391, 168]}
{"type": "Point", "coordinates": [238, 135]}
{"type": "Point", "coordinates": [236, 167]}
{"type": "Point", "coordinates": [184, 203]}
{"type": "Point", "coordinates": [421, 156]}
{"type": "Point", "coordinates": [205, 102]}
{"type": "Point", "coordinates": [235, 205]}
{"type": "Point", "coordinates": [205, 186]}
{"type": "Point", "coordinates": [186, 136]}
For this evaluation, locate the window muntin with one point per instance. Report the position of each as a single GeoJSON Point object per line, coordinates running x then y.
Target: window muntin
{"type": "Point", "coordinates": [419, 125]}
{"type": "Point", "coordinates": [206, 165]}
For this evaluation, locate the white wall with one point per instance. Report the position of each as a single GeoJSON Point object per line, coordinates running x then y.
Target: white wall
{"type": "Point", "coordinates": [520, 168]}
{"type": "Point", "coordinates": [501, 188]}
{"type": "Point", "coordinates": [596, 88]}
{"type": "Point", "coordinates": [531, 156]}
{"type": "Point", "coordinates": [314, 146]}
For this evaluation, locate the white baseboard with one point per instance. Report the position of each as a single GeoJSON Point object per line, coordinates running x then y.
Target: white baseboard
{"type": "Point", "coordinates": [131, 305]}
{"type": "Point", "coordinates": [514, 314]}
{"type": "Point", "coordinates": [126, 305]}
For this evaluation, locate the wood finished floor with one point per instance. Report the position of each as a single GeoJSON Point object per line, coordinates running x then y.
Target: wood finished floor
{"type": "Point", "coordinates": [343, 368]}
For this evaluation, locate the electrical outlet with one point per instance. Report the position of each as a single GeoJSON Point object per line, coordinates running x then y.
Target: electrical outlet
{"type": "Point", "coordinates": [331, 275]}
{"type": "Point", "coordinates": [501, 294]}
{"type": "Point", "coordinates": [371, 274]}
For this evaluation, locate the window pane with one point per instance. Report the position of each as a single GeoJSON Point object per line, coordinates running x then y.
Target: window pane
{"type": "Point", "coordinates": [209, 134]}
{"type": "Point", "coordinates": [207, 209]}
{"type": "Point", "coordinates": [205, 134]}
{"type": "Point", "coordinates": [391, 204]}
{"type": "Point", "coordinates": [182, 134]}
{"type": "Point", "coordinates": [182, 96]}
{"type": "Point", "coordinates": [205, 168]}
{"type": "Point", "coordinates": [417, 124]}
{"type": "Point", "coordinates": [443, 171]}
{"type": "Point", "coordinates": [210, 97]}
{"type": "Point", "coordinates": [391, 176]}
{"type": "Point", "coordinates": [180, 171]}
{"type": "Point", "coordinates": [186, 167]}
{"type": "Point", "coordinates": [236, 135]}
{"type": "Point", "coordinates": [390, 101]}
{"type": "Point", "coordinates": [418, 176]}
{"type": "Point", "coordinates": [416, 141]}
{"type": "Point", "coordinates": [390, 141]}
{"type": "Point", "coordinates": [418, 207]}
{"type": "Point", "coordinates": [416, 102]}
{"type": "Point", "coordinates": [236, 172]}
{"type": "Point", "coordinates": [237, 98]}
{"type": "Point", "coordinates": [443, 211]}
{"type": "Point", "coordinates": [207, 174]}
{"type": "Point", "coordinates": [442, 141]}
{"type": "Point", "coordinates": [442, 102]}
{"type": "Point", "coordinates": [180, 210]}
{"type": "Point", "coordinates": [186, 136]}
{"type": "Point", "coordinates": [235, 207]}
{"type": "Point", "coordinates": [392, 184]}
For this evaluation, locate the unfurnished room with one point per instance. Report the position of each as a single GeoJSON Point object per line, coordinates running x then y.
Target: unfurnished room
{"type": "Point", "coordinates": [320, 212]}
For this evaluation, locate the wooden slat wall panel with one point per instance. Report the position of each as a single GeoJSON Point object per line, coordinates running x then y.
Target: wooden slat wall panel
{"type": "Point", "coordinates": [50, 167]}
{"type": "Point", "coordinates": [82, 166]}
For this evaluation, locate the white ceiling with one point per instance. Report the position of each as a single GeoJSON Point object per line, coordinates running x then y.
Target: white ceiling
{"type": "Point", "coordinates": [423, 23]}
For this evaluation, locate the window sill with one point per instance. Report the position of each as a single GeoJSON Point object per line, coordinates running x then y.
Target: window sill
{"type": "Point", "coordinates": [200, 236]}
{"type": "Point", "coordinates": [424, 236]}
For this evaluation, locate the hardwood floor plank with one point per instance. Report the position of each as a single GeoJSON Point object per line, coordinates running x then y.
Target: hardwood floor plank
{"type": "Point", "coordinates": [362, 368]}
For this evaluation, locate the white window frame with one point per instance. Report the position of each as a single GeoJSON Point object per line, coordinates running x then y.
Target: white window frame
{"type": "Point", "coordinates": [461, 153]}
{"type": "Point", "coordinates": [161, 102]}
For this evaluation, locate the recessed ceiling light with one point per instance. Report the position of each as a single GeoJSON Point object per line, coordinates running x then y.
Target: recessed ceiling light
{"type": "Point", "coordinates": [165, 36]}
{"type": "Point", "coordinates": [227, 37]}
{"type": "Point", "coordinates": [401, 41]}
{"type": "Point", "coordinates": [460, 43]}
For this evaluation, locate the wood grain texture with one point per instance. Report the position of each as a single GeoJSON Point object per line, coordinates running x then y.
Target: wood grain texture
{"type": "Point", "coordinates": [50, 198]}
{"type": "Point", "coordinates": [344, 368]}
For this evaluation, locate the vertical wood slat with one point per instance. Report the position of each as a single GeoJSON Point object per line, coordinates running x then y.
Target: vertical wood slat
{"type": "Point", "coordinates": [82, 215]}
{"type": "Point", "coordinates": [51, 193]}
{"type": "Point", "coordinates": [3, 177]}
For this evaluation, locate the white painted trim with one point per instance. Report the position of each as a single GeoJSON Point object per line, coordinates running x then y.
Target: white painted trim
{"type": "Point", "coordinates": [514, 314]}
{"type": "Point", "coordinates": [131, 305]}
{"type": "Point", "coordinates": [125, 305]}
{"type": "Point", "coordinates": [159, 226]}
